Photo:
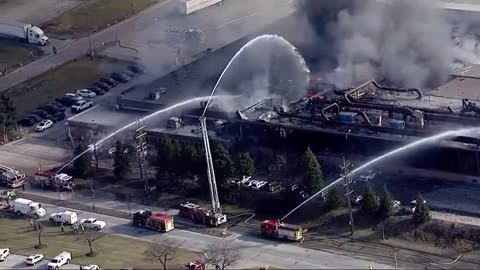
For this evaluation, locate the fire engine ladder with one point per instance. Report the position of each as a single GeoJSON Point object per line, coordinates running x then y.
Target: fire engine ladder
{"type": "Point", "coordinates": [210, 171]}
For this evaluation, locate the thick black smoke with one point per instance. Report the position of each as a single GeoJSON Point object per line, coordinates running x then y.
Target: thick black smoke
{"type": "Point", "coordinates": [406, 42]}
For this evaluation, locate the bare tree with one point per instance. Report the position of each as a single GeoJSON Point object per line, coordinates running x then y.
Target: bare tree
{"type": "Point", "coordinates": [89, 237]}
{"type": "Point", "coordinates": [39, 226]}
{"type": "Point", "coordinates": [163, 252]}
{"type": "Point", "coordinates": [222, 255]}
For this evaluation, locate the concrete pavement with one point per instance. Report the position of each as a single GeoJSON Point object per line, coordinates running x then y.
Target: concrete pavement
{"type": "Point", "coordinates": [18, 262]}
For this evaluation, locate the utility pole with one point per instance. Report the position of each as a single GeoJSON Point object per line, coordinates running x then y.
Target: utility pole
{"type": "Point", "coordinates": [346, 180]}
{"type": "Point", "coordinates": [141, 149]}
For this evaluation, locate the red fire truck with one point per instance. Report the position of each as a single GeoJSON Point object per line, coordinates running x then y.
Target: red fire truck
{"type": "Point", "coordinates": [277, 229]}
{"type": "Point", "coordinates": [201, 215]}
{"type": "Point", "coordinates": [195, 265]}
{"type": "Point", "coordinates": [156, 221]}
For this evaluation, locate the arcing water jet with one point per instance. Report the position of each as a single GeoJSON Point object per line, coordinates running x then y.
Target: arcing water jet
{"type": "Point", "coordinates": [180, 104]}
{"type": "Point", "coordinates": [389, 154]}
{"type": "Point", "coordinates": [253, 42]}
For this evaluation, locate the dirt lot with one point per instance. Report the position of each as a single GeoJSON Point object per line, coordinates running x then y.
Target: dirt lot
{"type": "Point", "coordinates": [67, 78]}
{"type": "Point", "coordinates": [35, 11]}
{"type": "Point", "coordinates": [113, 251]}
{"type": "Point", "coordinates": [94, 16]}
{"type": "Point", "coordinates": [15, 55]}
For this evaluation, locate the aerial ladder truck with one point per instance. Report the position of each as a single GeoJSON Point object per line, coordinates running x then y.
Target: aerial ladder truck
{"type": "Point", "coordinates": [212, 217]}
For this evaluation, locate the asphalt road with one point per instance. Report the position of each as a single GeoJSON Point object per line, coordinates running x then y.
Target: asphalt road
{"type": "Point", "coordinates": [18, 262]}
{"type": "Point", "coordinates": [254, 251]}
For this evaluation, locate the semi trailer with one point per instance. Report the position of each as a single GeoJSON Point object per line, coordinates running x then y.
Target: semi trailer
{"type": "Point", "coordinates": [24, 32]}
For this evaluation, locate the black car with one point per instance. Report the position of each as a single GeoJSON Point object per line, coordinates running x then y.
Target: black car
{"type": "Point", "coordinates": [102, 85]}
{"type": "Point", "coordinates": [57, 104]}
{"type": "Point", "coordinates": [49, 109]}
{"type": "Point", "coordinates": [57, 117]}
{"type": "Point", "coordinates": [122, 78]}
{"type": "Point", "coordinates": [66, 101]}
{"type": "Point", "coordinates": [130, 74]}
{"type": "Point", "coordinates": [35, 118]}
{"type": "Point", "coordinates": [96, 90]}
{"type": "Point", "coordinates": [136, 69]}
{"type": "Point", "coordinates": [43, 114]}
{"type": "Point", "coordinates": [26, 122]}
{"type": "Point", "coordinates": [108, 81]}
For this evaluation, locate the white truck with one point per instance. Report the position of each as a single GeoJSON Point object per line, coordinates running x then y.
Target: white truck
{"type": "Point", "coordinates": [60, 260]}
{"type": "Point", "coordinates": [81, 105]}
{"type": "Point", "coordinates": [65, 217]}
{"type": "Point", "coordinates": [50, 179]}
{"type": "Point", "coordinates": [22, 31]}
{"type": "Point", "coordinates": [27, 207]}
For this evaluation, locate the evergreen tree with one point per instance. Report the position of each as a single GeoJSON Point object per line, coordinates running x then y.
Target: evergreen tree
{"type": "Point", "coordinates": [222, 163]}
{"type": "Point", "coordinates": [386, 204]}
{"type": "Point", "coordinates": [422, 213]}
{"type": "Point", "coordinates": [245, 165]}
{"type": "Point", "coordinates": [121, 163]}
{"type": "Point", "coordinates": [188, 160]}
{"type": "Point", "coordinates": [7, 114]}
{"type": "Point", "coordinates": [82, 163]}
{"type": "Point", "coordinates": [312, 173]}
{"type": "Point", "coordinates": [333, 200]}
{"type": "Point", "coordinates": [165, 156]}
{"type": "Point", "coordinates": [369, 202]}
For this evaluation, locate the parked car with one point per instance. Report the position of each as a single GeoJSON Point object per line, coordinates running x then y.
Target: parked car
{"type": "Point", "coordinates": [44, 125]}
{"type": "Point", "coordinates": [120, 77]}
{"type": "Point", "coordinates": [396, 204]}
{"type": "Point", "coordinates": [4, 254]}
{"type": "Point", "coordinates": [108, 81]}
{"type": "Point", "coordinates": [93, 224]}
{"type": "Point", "coordinates": [81, 105]}
{"type": "Point", "coordinates": [86, 93]}
{"type": "Point", "coordinates": [368, 176]}
{"type": "Point", "coordinates": [51, 109]}
{"type": "Point", "coordinates": [412, 207]}
{"type": "Point", "coordinates": [272, 187]}
{"type": "Point", "coordinates": [59, 116]}
{"type": "Point", "coordinates": [357, 200]}
{"type": "Point", "coordinates": [58, 105]}
{"type": "Point", "coordinates": [130, 74]}
{"type": "Point", "coordinates": [96, 90]}
{"type": "Point", "coordinates": [34, 259]}
{"type": "Point", "coordinates": [74, 96]}
{"type": "Point", "coordinates": [248, 183]}
{"type": "Point", "coordinates": [26, 122]}
{"type": "Point", "coordinates": [43, 114]}
{"type": "Point", "coordinates": [66, 101]}
{"type": "Point", "coordinates": [35, 118]}
{"type": "Point", "coordinates": [136, 69]}
{"type": "Point", "coordinates": [102, 85]}
{"type": "Point", "coordinates": [90, 267]}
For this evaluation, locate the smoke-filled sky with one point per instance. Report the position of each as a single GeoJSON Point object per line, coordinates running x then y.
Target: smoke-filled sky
{"type": "Point", "coordinates": [408, 43]}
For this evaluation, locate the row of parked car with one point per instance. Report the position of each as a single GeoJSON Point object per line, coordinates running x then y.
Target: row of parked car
{"type": "Point", "coordinates": [248, 183]}
{"type": "Point", "coordinates": [47, 115]}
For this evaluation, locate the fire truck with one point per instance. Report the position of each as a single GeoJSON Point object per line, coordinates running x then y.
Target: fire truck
{"type": "Point", "coordinates": [201, 215]}
{"type": "Point", "coordinates": [11, 177]}
{"type": "Point", "coordinates": [195, 265]}
{"type": "Point", "coordinates": [276, 229]}
{"type": "Point", "coordinates": [50, 179]}
{"type": "Point", "coordinates": [155, 221]}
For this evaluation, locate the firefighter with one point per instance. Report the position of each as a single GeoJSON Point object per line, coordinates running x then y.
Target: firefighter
{"type": "Point", "coordinates": [54, 50]}
{"type": "Point", "coordinates": [62, 228]}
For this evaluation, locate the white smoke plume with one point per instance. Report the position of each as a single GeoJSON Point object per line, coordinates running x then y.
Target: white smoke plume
{"type": "Point", "coordinates": [409, 43]}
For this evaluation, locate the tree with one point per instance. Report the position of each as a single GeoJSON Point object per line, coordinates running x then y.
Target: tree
{"type": "Point", "coordinates": [89, 238]}
{"type": "Point", "coordinates": [422, 213]}
{"type": "Point", "coordinates": [121, 163]}
{"type": "Point", "coordinates": [386, 209]}
{"type": "Point", "coordinates": [369, 202]}
{"type": "Point", "coordinates": [165, 156]}
{"type": "Point", "coordinates": [188, 160]}
{"type": "Point", "coordinates": [333, 200]}
{"type": "Point", "coordinates": [82, 163]}
{"type": "Point", "coordinates": [7, 112]}
{"type": "Point", "coordinates": [39, 226]}
{"type": "Point", "coordinates": [222, 255]}
{"type": "Point", "coordinates": [245, 165]}
{"type": "Point", "coordinates": [222, 163]}
{"type": "Point", "coordinates": [162, 252]}
{"type": "Point", "coordinates": [312, 173]}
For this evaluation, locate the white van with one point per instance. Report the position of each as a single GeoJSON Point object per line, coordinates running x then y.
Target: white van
{"type": "Point", "coordinates": [28, 207]}
{"type": "Point", "coordinates": [60, 260]}
{"type": "Point", "coordinates": [66, 217]}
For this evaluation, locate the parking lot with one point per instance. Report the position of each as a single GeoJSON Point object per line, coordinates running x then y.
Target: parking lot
{"type": "Point", "coordinates": [18, 262]}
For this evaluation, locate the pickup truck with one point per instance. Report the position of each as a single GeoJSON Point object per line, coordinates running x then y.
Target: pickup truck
{"type": "Point", "coordinates": [60, 260]}
{"type": "Point", "coordinates": [81, 105]}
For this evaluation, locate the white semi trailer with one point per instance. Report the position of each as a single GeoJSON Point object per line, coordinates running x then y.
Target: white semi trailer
{"type": "Point", "coordinates": [22, 31]}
